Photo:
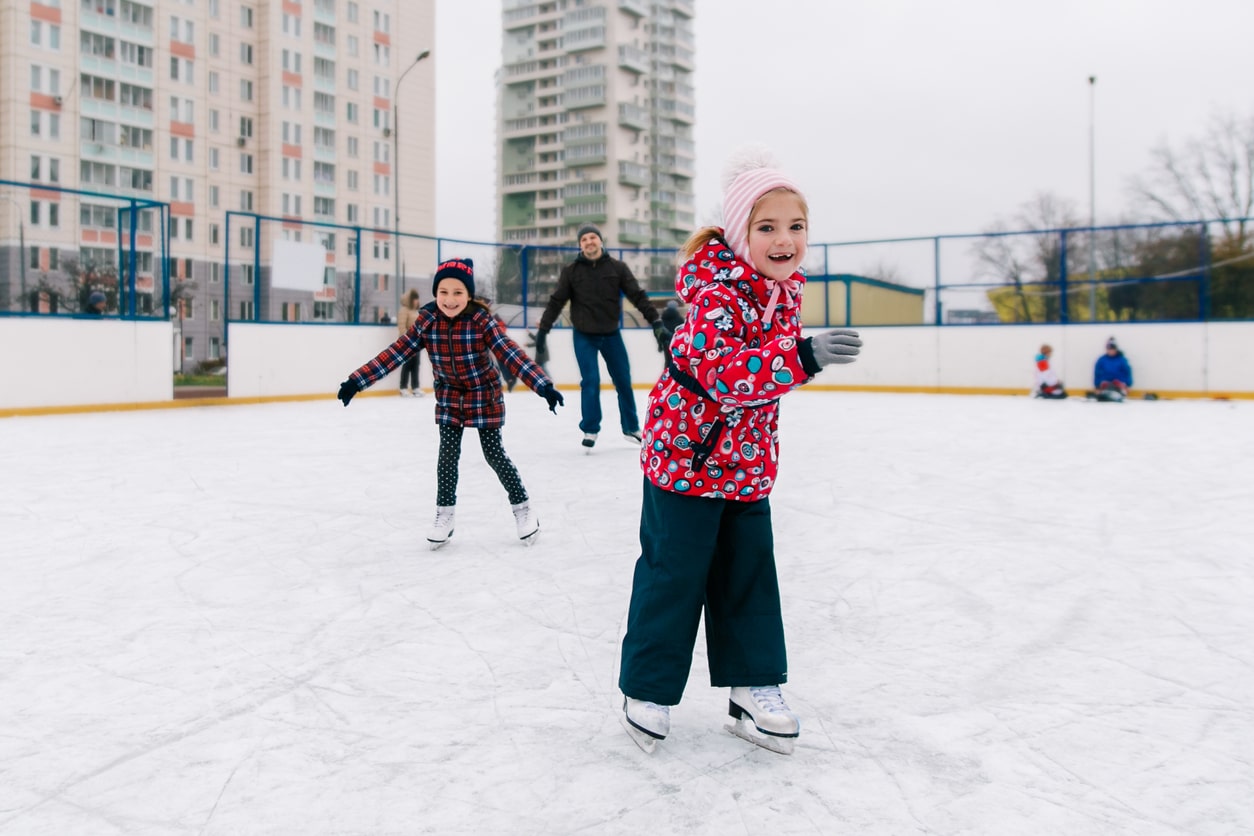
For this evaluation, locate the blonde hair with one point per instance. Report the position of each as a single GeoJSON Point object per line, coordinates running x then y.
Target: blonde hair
{"type": "Point", "coordinates": [705, 234]}
{"type": "Point", "coordinates": [410, 297]}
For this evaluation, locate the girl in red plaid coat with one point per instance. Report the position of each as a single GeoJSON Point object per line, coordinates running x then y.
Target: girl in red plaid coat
{"type": "Point", "coordinates": [461, 336]}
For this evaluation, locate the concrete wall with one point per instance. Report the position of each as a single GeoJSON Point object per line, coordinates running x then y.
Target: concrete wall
{"type": "Point", "coordinates": [60, 362]}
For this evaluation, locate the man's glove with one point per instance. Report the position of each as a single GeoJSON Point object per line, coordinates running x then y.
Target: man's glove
{"type": "Point", "coordinates": [551, 395]}
{"type": "Point", "coordinates": [663, 336]}
{"type": "Point", "coordinates": [347, 390]}
{"type": "Point", "coordinates": [837, 346]}
{"type": "Point", "coordinates": [542, 343]}
{"type": "Point", "coordinates": [539, 348]}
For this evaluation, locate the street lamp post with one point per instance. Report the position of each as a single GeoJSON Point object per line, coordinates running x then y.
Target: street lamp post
{"type": "Point", "coordinates": [1092, 202]}
{"type": "Point", "coordinates": [396, 170]}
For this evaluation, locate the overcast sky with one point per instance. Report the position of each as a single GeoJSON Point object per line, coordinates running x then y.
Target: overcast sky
{"type": "Point", "coordinates": [902, 117]}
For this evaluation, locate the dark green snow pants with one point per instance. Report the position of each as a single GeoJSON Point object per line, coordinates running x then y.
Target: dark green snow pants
{"type": "Point", "coordinates": [711, 554]}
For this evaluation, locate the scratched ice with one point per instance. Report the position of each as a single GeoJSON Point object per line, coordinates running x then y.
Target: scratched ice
{"type": "Point", "coordinates": [1004, 616]}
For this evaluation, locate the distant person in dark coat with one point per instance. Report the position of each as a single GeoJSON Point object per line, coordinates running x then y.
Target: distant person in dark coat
{"type": "Point", "coordinates": [96, 304]}
{"type": "Point", "coordinates": [594, 284]}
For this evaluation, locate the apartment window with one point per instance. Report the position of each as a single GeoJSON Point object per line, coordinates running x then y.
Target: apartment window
{"type": "Point", "coordinates": [35, 213]}
{"type": "Point", "coordinates": [45, 35]}
{"type": "Point", "coordinates": [213, 233]}
{"type": "Point", "coordinates": [140, 56]}
{"type": "Point", "coordinates": [325, 206]}
{"type": "Point", "coordinates": [351, 112]}
{"type": "Point", "coordinates": [246, 53]}
{"type": "Point", "coordinates": [246, 201]}
{"type": "Point", "coordinates": [351, 79]}
{"type": "Point", "coordinates": [351, 215]}
{"type": "Point", "coordinates": [291, 25]}
{"type": "Point", "coordinates": [324, 34]}
{"type": "Point", "coordinates": [215, 343]}
{"type": "Point", "coordinates": [215, 44]}
{"type": "Point", "coordinates": [291, 60]}
{"type": "Point", "coordinates": [213, 81]}
{"type": "Point", "coordinates": [34, 258]}
{"type": "Point", "coordinates": [215, 276]}
{"type": "Point", "coordinates": [352, 46]}
{"type": "Point", "coordinates": [352, 146]}
{"type": "Point", "coordinates": [246, 237]}
{"type": "Point", "coordinates": [382, 55]}
{"type": "Point", "coordinates": [213, 121]}
{"type": "Point", "coordinates": [382, 118]}
{"type": "Point", "coordinates": [181, 70]}
{"type": "Point", "coordinates": [382, 22]}
{"type": "Point", "coordinates": [352, 12]}
{"type": "Point", "coordinates": [213, 197]}
{"type": "Point", "coordinates": [246, 90]}
{"type": "Point", "coordinates": [291, 97]}
{"type": "Point", "coordinates": [291, 168]}
{"type": "Point", "coordinates": [245, 126]}
{"type": "Point", "coordinates": [382, 87]}
{"type": "Point", "coordinates": [245, 163]}
{"type": "Point", "coordinates": [246, 17]}
{"type": "Point", "coordinates": [213, 9]}
{"type": "Point", "coordinates": [182, 30]}
{"type": "Point", "coordinates": [141, 97]}
{"type": "Point", "coordinates": [352, 180]}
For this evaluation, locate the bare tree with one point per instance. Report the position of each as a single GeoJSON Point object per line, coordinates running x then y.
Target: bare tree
{"type": "Point", "coordinates": [1209, 177]}
{"type": "Point", "coordinates": [1033, 256]}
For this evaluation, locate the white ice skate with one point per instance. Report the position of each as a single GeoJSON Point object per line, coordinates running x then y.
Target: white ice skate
{"type": "Point", "coordinates": [589, 439]}
{"type": "Point", "coordinates": [442, 528]}
{"type": "Point", "coordinates": [527, 521]}
{"type": "Point", "coordinates": [763, 718]}
{"type": "Point", "coordinates": [646, 722]}
{"type": "Point", "coordinates": [633, 436]}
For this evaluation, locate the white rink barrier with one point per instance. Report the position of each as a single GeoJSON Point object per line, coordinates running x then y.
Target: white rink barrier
{"type": "Point", "coordinates": [56, 362]}
{"type": "Point", "coordinates": [49, 362]}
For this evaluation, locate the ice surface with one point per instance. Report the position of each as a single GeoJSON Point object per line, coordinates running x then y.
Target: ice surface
{"type": "Point", "coordinates": [1003, 615]}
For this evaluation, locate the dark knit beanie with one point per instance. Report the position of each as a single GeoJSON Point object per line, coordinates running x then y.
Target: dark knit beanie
{"type": "Point", "coordinates": [462, 269]}
{"type": "Point", "coordinates": [585, 229]}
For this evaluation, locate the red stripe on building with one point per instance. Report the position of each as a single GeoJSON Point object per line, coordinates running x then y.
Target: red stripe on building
{"type": "Point", "coordinates": [186, 129]}
{"type": "Point", "coordinates": [39, 11]}
{"type": "Point", "coordinates": [293, 151]}
{"type": "Point", "coordinates": [182, 209]}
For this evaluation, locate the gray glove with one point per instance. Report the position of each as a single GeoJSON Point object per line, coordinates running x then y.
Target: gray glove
{"type": "Point", "coordinates": [838, 346]}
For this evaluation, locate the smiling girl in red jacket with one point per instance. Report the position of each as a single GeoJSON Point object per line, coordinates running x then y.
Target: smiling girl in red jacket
{"type": "Point", "coordinates": [461, 336]}
{"type": "Point", "coordinates": [709, 454]}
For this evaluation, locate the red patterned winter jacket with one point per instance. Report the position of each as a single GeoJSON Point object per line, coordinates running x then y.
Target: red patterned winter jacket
{"type": "Point", "coordinates": [467, 385]}
{"type": "Point", "coordinates": [712, 423]}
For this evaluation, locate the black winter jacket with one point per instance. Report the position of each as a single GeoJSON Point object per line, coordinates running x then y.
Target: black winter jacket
{"type": "Point", "coordinates": [594, 290]}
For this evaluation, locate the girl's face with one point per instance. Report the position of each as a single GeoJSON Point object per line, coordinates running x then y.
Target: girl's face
{"type": "Point", "coordinates": [777, 235]}
{"type": "Point", "coordinates": [451, 297]}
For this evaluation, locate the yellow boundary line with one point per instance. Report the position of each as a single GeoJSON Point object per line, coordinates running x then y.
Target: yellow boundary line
{"type": "Point", "coordinates": [187, 403]}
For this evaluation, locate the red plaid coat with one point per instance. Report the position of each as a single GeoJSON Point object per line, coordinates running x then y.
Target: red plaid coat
{"type": "Point", "coordinates": [467, 385]}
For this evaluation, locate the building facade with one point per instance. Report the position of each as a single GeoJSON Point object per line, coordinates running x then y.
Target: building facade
{"type": "Point", "coordinates": [284, 110]}
{"type": "Point", "coordinates": [595, 122]}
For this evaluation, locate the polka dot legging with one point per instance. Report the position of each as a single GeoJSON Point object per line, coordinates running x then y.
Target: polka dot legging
{"type": "Point", "coordinates": [493, 454]}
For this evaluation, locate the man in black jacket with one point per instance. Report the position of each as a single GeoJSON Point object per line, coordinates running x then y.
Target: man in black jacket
{"type": "Point", "coordinates": [594, 284]}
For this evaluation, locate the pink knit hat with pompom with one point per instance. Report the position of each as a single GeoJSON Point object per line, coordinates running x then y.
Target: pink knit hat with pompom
{"type": "Point", "coordinates": [750, 173]}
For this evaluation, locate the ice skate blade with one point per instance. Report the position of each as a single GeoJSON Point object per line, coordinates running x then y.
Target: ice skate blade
{"type": "Point", "coordinates": [745, 730]}
{"type": "Point", "coordinates": [530, 539]}
{"type": "Point", "coordinates": [646, 742]}
{"type": "Point", "coordinates": [435, 544]}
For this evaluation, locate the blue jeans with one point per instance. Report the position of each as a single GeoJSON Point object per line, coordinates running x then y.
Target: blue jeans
{"type": "Point", "coordinates": [610, 346]}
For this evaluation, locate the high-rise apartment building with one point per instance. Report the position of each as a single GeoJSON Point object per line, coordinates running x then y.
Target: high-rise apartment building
{"type": "Point", "coordinates": [283, 109]}
{"type": "Point", "coordinates": [595, 124]}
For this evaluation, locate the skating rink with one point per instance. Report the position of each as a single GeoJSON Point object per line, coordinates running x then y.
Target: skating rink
{"type": "Point", "coordinates": [1004, 616]}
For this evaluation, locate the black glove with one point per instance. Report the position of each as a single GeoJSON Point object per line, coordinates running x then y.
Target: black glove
{"type": "Point", "coordinates": [347, 390]}
{"type": "Point", "coordinates": [551, 395]}
{"type": "Point", "coordinates": [542, 343]}
{"type": "Point", "coordinates": [663, 335]}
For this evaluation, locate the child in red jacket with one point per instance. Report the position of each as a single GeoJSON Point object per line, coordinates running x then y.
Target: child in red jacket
{"type": "Point", "coordinates": [461, 337]}
{"type": "Point", "coordinates": [709, 454]}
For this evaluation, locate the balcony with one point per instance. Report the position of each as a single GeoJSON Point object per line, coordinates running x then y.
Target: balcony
{"type": "Point", "coordinates": [633, 174]}
{"type": "Point", "coordinates": [633, 59]}
{"type": "Point", "coordinates": [639, 8]}
{"type": "Point", "coordinates": [684, 8]}
{"type": "Point", "coordinates": [633, 116]}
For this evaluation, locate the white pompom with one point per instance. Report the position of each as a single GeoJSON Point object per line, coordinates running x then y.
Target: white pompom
{"type": "Point", "coordinates": [747, 158]}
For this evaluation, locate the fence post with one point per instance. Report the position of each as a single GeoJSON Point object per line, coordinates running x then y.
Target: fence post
{"type": "Point", "coordinates": [257, 268]}
{"type": "Point", "coordinates": [357, 281]}
{"type": "Point", "coordinates": [1204, 286]}
{"type": "Point", "coordinates": [1063, 315]}
{"type": "Point", "coordinates": [524, 270]}
{"type": "Point", "coordinates": [936, 269]}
